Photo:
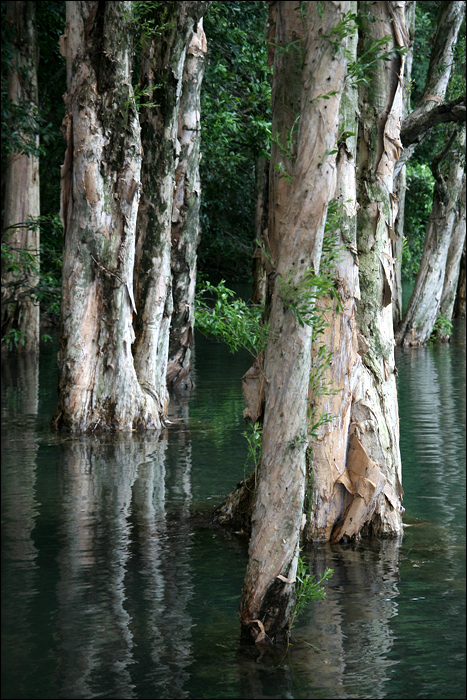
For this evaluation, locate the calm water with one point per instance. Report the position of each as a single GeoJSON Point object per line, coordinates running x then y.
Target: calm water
{"type": "Point", "coordinates": [110, 590]}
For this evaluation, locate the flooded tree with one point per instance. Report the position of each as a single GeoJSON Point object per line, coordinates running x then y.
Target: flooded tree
{"type": "Point", "coordinates": [278, 509]}
{"type": "Point", "coordinates": [20, 267]}
{"type": "Point", "coordinates": [113, 244]}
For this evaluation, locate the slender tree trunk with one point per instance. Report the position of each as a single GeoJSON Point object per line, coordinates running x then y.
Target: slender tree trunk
{"type": "Point", "coordinates": [400, 181]}
{"type": "Point", "coordinates": [278, 509]}
{"type": "Point", "coordinates": [423, 308]}
{"type": "Point", "coordinates": [460, 305]}
{"type": "Point", "coordinates": [453, 263]}
{"type": "Point", "coordinates": [185, 214]}
{"type": "Point", "coordinates": [431, 110]}
{"type": "Point", "coordinates": [98, 385]}
{"type": "Point", "coordinates": [20, 311]}
{"type": "Point", "coordinates": [261, 215]}
{"type": "Point", "coordinates": [164, 52]}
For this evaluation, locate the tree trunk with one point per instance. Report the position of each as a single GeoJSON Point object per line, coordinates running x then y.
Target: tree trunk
{"type": "Point", "coordinates": [164, 52]}
{"type": "Point", "coordinates": [400, 180]}
{"type": "Point", "coordinates": [453, 263]}
{"type": "Point", "coordinates": [278, 509]}
{"type": "Point", "coordinates": [98, 385]}
{"type": "Point", "coordinates": [460, 305]}
{"type": "Point", "coordinates": [422, 311]}
{"type": "Point", "coordinates": [20, 309]}
{"type": "Point", "coordinates": [431, 110]}
{"type": "Point", "coordinates": [185, 214]}
{"type": "Point", "coordinates": [355, 460]}
{"type": "Point", "coordinates": [260, 276]}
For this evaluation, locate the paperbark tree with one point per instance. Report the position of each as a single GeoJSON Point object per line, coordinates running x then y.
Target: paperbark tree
{"type": "Point", "coordinates": [453, 262]}
{"type": "Point", "coordinates": [20, 309]}
{"type": "Point", "coordinates": [185, 214]}
{"type": "Point", "coordinates": [268, 590]}
{"type": "Point", "coordinates": [355, 482]}
{"type": "Point", "coordinates": [424, 304]}
{"type": "Point", "coordinates": [164, 51]}
{"type": "Point", "coordinates": [103, 384]}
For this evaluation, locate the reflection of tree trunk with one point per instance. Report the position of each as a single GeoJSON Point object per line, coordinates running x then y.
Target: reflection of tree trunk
{"type": "Point", "coordinates": [185, 214]}
{"type": "Point", "coordinates": [20, 383]}
{"type": "Point", "coordinates": [114, 498]}
{"type": "Point", "coordinates": [22, 186]}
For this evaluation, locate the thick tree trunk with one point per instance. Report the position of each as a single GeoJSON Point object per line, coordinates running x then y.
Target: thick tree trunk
{"type": "Point", "coordinates": [423, 308]}
{"type": "Point", "coordinates": [355, 460]}
{"type": "Point", "coordinates": [453, 263]}
{"type": "Point", "coordinates": [163, 59]}
{"type": "Point", "coordinates": [185, 214]}
{"type": "Point", "coordinates": [20, 309]}
{"type": "Point", "coordinates": [278, 509]}
{"type": "Point", "coordinates": [98, 385]}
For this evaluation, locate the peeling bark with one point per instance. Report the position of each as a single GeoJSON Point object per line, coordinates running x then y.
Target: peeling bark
{"type": "Point", "coordinates": [424, 304]}
{"type": "Point", "coordinates": [185, 214]}
{"type": "Point", "coordinates": [98, 386]}
{"type": "Point", "coordinates": [453, 262]}
{"type": "Point", "coordinates": [21, 313]}
{"type": "Point", "coordinates": [161, 82]}
{"type": "Point", "coordinates": [278, 509]}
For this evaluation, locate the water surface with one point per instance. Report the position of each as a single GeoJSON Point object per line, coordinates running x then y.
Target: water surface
{"type": "Point", "coordinates": [110, 589]}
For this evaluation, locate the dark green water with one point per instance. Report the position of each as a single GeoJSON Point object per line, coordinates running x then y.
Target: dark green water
{"type": "Point", "coordinates": [110, 590]}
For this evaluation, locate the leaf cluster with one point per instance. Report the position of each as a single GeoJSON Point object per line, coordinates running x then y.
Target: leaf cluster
{"type": "Point", "coordinates": [307, 588]}
{"type": "Point", "coordinates": [220, 314]}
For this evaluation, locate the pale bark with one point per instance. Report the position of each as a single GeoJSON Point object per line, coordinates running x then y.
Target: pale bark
{"type": "Point", "coordinates": [423, 308]}
{"type": "Point", "coordinates": [98, 386]}
{"type": "Point", "coordinates": [260, 228]}
{"type": "Point", "coordinates": [161, 81]}
{"type": "Point", "coordinates": [355, 460]}
{"type": "Point", "coordinates": [453, 262]}
{"type": "Point", "coordinates": [20, 309]}
{"type": "Point", "coordinates": [328, 452]}
{"type": "Point", "coordinates": [430, 110]}
{"type": "Point", "coordinates": [400, 180]}
{"type": "Point", "coordinates": [278, 509]}
{"type": "Point", "coordinates": [185, 214]}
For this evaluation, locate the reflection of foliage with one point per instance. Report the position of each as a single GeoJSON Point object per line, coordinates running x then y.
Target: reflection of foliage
{"type": "Point", "coordinates": [420, 184]}
{"type": "Point", "coordinates": [236, 126]}
{"type": "Point", "coordinates": [306, 590]}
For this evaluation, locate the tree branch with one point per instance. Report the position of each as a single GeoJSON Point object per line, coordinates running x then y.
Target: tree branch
{"type": "Point", "coordinates": [417, 124]}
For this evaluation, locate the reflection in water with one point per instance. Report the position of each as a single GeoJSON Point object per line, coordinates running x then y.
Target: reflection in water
{"type": "Point", "coordinates": [110, 590]}
{"type": "Point", "coordinates": [20, 382]}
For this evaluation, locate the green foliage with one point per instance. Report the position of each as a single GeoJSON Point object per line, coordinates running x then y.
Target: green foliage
{"type": "Point", "coordinates": [254, 438]}
{"type": "Point", "coordinates": [307, 589]}
{"type": "Point", "coordinates": [418, 202]}
{"type": "Point", "coordinates": [236, 123]}
{"type": "Point", "coordinates": [13, 338]}
{"type": "Point", "coordinates": [220, 314]}
{"type": "Point", "coordinates": [442, 329]}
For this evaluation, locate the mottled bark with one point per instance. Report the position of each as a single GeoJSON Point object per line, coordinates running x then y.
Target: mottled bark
{"type": "Point", "coordinates": [453, 262]}
{"type": "Point", "coordinates": [423, 308]}
{"type": "Point", "coordinates": [185, 214]}
{"type": "Point", "coordinates": [355, 461]}
{"type": "Point", "coordinates": [328, 452]}
{"type": "Point", "coordinates": [278, 509]}
{"type": "Point", "coordinates": [400, 180]}
{"type": "Point", "coordinates": [418, 123]}
{"type": "Point", "coordinates": [98, 386]}
{"type": "Point", "coordinates": [20, 309]}
{"type": "Point", "coordinates": [161, 84]}
{"type": "Point", "coordinates": [372, 479]}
